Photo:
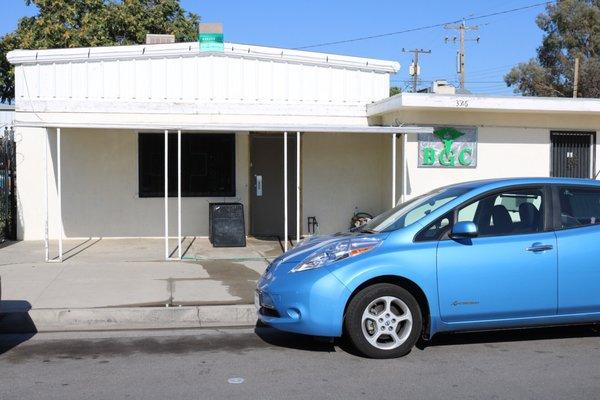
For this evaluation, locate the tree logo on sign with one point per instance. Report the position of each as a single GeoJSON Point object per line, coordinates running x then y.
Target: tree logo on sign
{"type": "Point", "coordinates": [448, 156]}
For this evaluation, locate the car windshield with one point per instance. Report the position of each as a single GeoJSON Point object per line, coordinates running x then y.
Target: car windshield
{"type": "Point", "coordinates": [407, 213]}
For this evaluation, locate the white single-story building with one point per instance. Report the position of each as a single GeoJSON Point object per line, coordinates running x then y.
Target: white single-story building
{"type": "Point", "coordinates": [93, 125]}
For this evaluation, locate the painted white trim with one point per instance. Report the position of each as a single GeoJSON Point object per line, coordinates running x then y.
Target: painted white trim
{"type": "Point", "coordinates": [169, 107]}
{"type": "Point", "coordinates": [46, 207]}
{"type": "Point", "coordinates": [285, 191]}
{"type": "Point", "coordinates": [178, 194]}
{"type": "Point", "coordinates": [236, 127]}
{"type": "Point", "coordinates": [166, 200]}
{"type": "Point", "coordinates": [298, 166]}
{"type": "Point", "coordinates": [470, 102]}
{"type": "Point", "coordinates": [404, 168]}
{"type": "Point", "coordinates": [190, 49]}
{"type": "Point", "coordinates": [393, 170]}
{"type": "Point", "coordinates": [59, 190]}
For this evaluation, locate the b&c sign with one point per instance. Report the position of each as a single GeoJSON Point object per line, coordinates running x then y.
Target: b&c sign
{"type": "Point", "coordinates": [448, 147]}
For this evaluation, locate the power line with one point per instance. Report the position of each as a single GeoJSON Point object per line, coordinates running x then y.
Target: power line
{"type": "Point", "coordinates": [421, 28]}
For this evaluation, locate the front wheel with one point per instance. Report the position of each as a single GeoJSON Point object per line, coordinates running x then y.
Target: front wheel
{"type": "Point", "coordinates": [383, 321]}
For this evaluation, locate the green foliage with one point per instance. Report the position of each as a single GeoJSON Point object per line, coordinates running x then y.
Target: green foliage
{"type": "Point", "coordinates": [394, 90]}
{"type": "Point", "coordinates": [83, 23]}
{"type": "Point", "coordinates": [572, 29]}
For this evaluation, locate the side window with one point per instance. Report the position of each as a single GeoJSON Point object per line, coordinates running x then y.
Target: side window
{"type": "Point", "coordinates": [579, 206]}
{"type": "Point", "coordinates": [437, 229]}
{"type": "Point", "coordinates": [510, 212]}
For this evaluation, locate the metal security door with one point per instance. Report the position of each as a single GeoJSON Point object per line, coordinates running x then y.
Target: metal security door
{"type": "Point", "coordinates": [572, 154]}
{"type": "Point", "coordinates": [8, 203]}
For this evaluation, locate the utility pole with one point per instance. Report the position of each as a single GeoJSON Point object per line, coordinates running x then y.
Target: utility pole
{"type": "Point", "coordinates": [415, 68]}
{"type": "Point", "coordinates": [576, 77]}
{"type": "Point", "coordinates": [460, 61]}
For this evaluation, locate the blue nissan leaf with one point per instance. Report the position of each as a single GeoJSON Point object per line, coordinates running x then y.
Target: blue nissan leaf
{"type": "Point", "coordinates": [472, 256]}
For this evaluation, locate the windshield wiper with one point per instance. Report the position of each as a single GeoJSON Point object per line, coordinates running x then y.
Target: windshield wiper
{"type": "Point", "coordinates": [368, 231]}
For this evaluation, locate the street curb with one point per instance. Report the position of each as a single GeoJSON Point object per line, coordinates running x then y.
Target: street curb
{"type": "Point", "coordinates": [98, 319]}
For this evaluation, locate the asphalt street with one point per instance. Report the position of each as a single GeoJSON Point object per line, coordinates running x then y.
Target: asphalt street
{"type": "Point", "coordinates": [552, 363]}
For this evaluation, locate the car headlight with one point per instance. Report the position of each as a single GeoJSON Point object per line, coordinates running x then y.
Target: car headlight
{"type": "Point", "coordinates": [337, 251]}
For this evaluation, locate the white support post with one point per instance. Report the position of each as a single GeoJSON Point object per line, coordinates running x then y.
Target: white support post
{"type": "Point", "coordinates": [166, 195]}
{"type": "Point", "coordinates": [297, 187]}
{"type": "Point", "coordinates": [285, 192]}
{"type": "Point", "coordinates": [393, 170]}
{"type": "Point", "coordinates": [59, 189]}
{"type": "Point", "coordinates": [46, 239]}
{"type": "Point", "coordinates": [179, 194]}
{"type": "Point", "coordinates": [404, 168]}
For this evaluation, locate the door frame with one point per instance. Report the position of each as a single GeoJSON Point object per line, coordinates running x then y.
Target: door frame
{"type": "Point", "coordinates": [251, 179]}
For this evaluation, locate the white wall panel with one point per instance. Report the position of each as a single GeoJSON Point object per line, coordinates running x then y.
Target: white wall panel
{"type": "Point", "coordinates": [111, 80]}
{"type": "Point", "coordinates": [96, 78]}
{"type": "Point", "coordinates": [199, 79]}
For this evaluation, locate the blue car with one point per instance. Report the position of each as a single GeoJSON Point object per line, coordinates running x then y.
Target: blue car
{"type": "Point", "coordinates": [472, 256]}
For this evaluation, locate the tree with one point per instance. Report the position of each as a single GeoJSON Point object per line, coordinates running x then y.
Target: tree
{"type": "Point", "coordinates": [572, 29]}
{"type": "Point", "coordinates": [83, 23]}
{"type": "Point", "coordinates": [394, 90]}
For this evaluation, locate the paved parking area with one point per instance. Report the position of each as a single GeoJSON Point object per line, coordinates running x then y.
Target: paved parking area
{"type": "Point", "coordinates": [131, 273]}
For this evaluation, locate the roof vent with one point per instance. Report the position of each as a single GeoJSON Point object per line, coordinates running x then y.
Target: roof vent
{"type": "Point", "coordinates": [442, 86]}
{"type": "Point", "coordinates": [154, 38]}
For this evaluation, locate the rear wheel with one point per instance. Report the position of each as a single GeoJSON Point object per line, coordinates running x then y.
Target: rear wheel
{"type": "Point", "coordinates": [383, 321]}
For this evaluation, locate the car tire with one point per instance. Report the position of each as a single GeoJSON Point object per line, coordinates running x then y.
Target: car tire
{"type": "Point", "coordinates": [383, 321]}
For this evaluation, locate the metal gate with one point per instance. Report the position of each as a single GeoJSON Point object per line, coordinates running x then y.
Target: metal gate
{"type": "Point", "coordinates": [572, 154]}
{"type": "Point", "coordinates": [8, 201]}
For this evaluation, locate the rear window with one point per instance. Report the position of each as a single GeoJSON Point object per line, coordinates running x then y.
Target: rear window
{"type": "Point", "coordinates": [579, 206]}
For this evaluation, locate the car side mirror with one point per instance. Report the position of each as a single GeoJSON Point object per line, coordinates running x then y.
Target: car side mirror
{"type": "Point", "coordinates": [464, 230]}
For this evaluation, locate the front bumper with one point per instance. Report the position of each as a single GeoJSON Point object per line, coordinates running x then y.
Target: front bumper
{"type": "Point", "coordinates": [308, 302]}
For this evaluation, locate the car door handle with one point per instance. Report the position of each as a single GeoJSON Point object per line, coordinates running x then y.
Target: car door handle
{"type": "Point", "coordinates": [537, 247]}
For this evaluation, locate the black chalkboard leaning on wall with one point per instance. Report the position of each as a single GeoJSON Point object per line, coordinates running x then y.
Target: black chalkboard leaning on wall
{"type": "Point", "coordinates": [226, 225]}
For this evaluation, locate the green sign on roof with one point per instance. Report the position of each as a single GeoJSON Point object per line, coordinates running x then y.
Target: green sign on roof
{"type": "Point", "coordinates": [211, 41]}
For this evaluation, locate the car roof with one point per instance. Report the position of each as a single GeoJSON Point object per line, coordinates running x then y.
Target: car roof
{"type": "Point", "coordinates": [502, 182]}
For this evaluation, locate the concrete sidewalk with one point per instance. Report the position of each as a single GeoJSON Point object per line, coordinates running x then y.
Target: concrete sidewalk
{"type": "Point", "coordinates": [124, 284]}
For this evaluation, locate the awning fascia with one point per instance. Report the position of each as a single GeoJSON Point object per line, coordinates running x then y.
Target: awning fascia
{"type": "Point", "coordinates": [239, 127]}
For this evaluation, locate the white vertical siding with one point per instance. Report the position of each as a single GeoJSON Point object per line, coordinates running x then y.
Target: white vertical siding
{"type": "Point", "coordinates": [199, 78]}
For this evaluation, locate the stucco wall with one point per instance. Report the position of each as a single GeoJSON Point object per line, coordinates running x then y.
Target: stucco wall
{"type": "Point", "coordinates": [501, 152]}
{"type": "Point", "coordinates": [100, 187]}
{"type": "Point", "coordinates": [343, 173]}
{"type": "Point", "coordinates": [509, 144]}
{"type": "Point", "coordinates": [340, 173]}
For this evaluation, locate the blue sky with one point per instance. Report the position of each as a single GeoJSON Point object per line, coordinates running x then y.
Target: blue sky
{"type": "Point", "coordinates": [504, 40]}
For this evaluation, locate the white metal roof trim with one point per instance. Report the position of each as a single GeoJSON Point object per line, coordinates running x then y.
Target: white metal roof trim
{"type": "Point", "coordinates": [191, 49]}
{"type": "Point", "coordinates": [240, 127]}
{"type": "Point", "coordinates": [483, 103]}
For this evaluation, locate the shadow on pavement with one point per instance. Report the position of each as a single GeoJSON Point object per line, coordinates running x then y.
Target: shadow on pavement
{"type": "Point", "coordinates": [16, 326]}
{"type": "Point", "coordinates": [7, 243]}
{"type": "Point", "coordinates": [294, 341]}
{"type": "Point", "coordinates": [512, 335]}
{"type": "Point", "coordinates": [310, 343]}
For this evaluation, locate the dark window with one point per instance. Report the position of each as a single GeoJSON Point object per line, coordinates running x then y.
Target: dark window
{"type": "Point", "coordinates": [207, 165]}
{"type": "Point", "coordinates": [579, 206]}
{"type": "Point", "coordinates": [436, 230]}
{"type": "Point", "coordinates": [510, 212]}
